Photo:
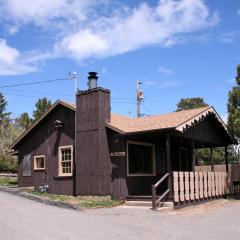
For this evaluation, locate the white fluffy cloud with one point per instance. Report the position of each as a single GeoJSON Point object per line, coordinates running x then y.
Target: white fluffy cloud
{"type": "Point", "coordinates": [136, 28]}
{"type": "Point", "coordinates": [12, 62]}
{"type": "Point", "coordinates": [98, 29]}
{"type": "Point", "coordinates": [41, 12]}
{"type": "Point", "coordinates": [8, 55]}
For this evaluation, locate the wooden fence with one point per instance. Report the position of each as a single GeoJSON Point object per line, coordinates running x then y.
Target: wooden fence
{"type": "Point", "coordinates": [202, 185]}
{"type": "Point", "coordinates": [216, 168]}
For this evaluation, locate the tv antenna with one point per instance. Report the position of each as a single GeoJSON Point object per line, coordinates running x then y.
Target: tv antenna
{"type": "Point", "coordinates": [73, 76]}
{"type": "Point", "coordinates": [140, 98]}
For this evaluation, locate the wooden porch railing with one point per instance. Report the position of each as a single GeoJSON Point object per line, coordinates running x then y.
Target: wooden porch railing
{"type": "Point", "coordinates": [204, 184]}
{"type": "Point", "coordinates": [197, 186]}
{"type": "Point", "coordinates": [154, 187]}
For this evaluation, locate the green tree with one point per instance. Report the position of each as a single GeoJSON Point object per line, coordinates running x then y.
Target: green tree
{"type": "Point", "coordinates": [190, 103]}
{"type": "Point", "coordinates": [234, 107]}
{"type": "Point", "coordinates": [3, 106]}
{"type": "Point", "coordinates": [42, 105]}
{"type": "Point", "coordinates": [5, 126]}
{"type": "Point", "coordinates": [23, 122]}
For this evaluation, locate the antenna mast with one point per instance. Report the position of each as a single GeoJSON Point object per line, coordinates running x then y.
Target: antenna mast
{"type": "Point", "coordinates": [73, 76]}
{"type": "Point", "coordinates": [140, 97]}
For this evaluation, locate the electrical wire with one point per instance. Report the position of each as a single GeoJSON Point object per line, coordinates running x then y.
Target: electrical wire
{"type": "Point", "coordinates": [33, 83]}
{"type": "Point", "coordinates": [147, 109]}
{"type": "Point", "coordinates": [37, 92]}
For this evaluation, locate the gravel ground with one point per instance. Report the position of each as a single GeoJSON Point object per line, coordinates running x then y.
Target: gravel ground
{"type": "Point", "coordinates": [22, 218]}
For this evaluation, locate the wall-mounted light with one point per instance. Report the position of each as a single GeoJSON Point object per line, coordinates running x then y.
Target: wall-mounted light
{"type": "Point", "coordinates": [58, 124]}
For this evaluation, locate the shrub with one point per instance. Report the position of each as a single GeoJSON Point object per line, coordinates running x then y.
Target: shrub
{"type": "Point", "coordinates": [8, 164]}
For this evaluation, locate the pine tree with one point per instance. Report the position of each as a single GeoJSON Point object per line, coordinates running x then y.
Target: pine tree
{"type": "Point", "coordinates": [42, 105]}
{"type": "Point", "coordinates": [234, 107]}
{"type": "Point", "coordinates": [23, 122]}
{"type": "Point", "coordinates": [5, 126]}
{"type": "Point", "coordinates": [190, 103]}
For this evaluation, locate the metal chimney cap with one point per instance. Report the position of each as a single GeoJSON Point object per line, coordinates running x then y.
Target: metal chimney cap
{"type": "Point", "coordinates": [92, 75]}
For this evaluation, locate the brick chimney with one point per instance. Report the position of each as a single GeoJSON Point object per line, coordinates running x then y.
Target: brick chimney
{"type": "Point", "coordinates": [93, 163]}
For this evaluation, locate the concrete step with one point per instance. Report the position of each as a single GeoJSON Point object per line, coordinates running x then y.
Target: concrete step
{"type": "Point", "coordinates": [147, 203]}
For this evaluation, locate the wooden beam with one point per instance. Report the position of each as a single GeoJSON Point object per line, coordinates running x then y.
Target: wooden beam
{"type": "Point", "coordinates": [193, 155]}
{"type": "Point", "coordinates": [211, 159]}
{"type": "Point", "coordinates": [226, 157]}
{"type": "Point", "coordinates": [168, 153]}
{"type": "Point", "coordinates": [168, 158]}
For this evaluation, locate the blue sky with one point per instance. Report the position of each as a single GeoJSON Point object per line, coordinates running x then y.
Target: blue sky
{"type": "Point", "coordinates": [178, 49]}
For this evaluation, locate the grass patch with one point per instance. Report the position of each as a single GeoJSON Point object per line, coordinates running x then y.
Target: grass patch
{"type": "Point", "coordinates": [8, 181]}
{"type": "Point", "coordinates": [78, 200]}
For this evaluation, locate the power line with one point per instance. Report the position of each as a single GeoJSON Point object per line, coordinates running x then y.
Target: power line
{"type": "Point", "coordinates": [123, 98]}
{"type": "Point", "coordinates": [147, 109]}
{"type": "Point", "coordinates": [124, 102]}
{"type": "Point", "coordinates": [34, 92]}
{"type": "Point", "coordinates": [33, 83]}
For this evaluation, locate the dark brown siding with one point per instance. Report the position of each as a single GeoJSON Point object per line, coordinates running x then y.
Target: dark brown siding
{"type": "Point", "coordinates": [44, 139]}
{"type": "Point", "coordinates": [123, 186]}
{"type": "Point", "coordinates": [93, 166]}
{"type": "Point", "coordinates": [117, 143]}
{"type": "Point", "coordinates": [209, 130]}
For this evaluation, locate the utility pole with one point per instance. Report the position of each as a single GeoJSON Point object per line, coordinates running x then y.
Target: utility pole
{"type": "Point", "coordinates": [140, 97]}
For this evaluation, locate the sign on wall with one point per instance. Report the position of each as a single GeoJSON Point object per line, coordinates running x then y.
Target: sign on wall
{"type": "Point", "coordinates": [118, 154]}
{"type": "Point", "coordinates": [27, 166]}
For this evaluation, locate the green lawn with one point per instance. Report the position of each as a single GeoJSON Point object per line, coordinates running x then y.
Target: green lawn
{"type": "Point", "coordinates": [78, 200]}
{"type": "Point", "coordinates": [8, 181]}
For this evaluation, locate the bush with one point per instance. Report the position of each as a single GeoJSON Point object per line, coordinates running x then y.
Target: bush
{"type": "Point", "coordinates": [8, 164]}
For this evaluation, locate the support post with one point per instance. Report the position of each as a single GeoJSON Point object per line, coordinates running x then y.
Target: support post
{"type": "Point", "coordinates": [168, 156]}
{"type": "Point", "coordinates": [154, 206]}
{"type": "Point", "coordinates": [211, 159]}
{"type": "Point", "coordinates": [226, 157]}
{"type": "Point", "coordinates": [193, 155]}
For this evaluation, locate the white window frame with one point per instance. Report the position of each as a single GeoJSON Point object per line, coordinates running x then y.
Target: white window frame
{"type": "Point", "coordinates": [35, 162]}
{"type": "Point", "coordinates": [60, 173]}
{"type": "Point", "coordinates": [153, 159]}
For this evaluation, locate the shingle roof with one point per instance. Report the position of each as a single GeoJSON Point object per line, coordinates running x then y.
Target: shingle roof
{"type": "Point", "coordinates": [176, 120]}
{"type": "Point", "coordinates": [124, 124]}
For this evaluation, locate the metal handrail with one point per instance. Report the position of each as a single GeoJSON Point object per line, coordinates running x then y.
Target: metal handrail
{"type": "Point", "coordinates": [154, 187]}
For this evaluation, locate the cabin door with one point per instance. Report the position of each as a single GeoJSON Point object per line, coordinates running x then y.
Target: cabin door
{"type": "Point", "coordinates": [183, 159]}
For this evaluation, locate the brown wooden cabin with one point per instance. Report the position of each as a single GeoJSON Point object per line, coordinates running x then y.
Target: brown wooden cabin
{"type": "Point", "coordinates": [109, 154]}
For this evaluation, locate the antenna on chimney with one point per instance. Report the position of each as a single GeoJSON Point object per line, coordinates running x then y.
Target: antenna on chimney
{"type": "Point", "coordinates": [140, 97]}
{"type": "Point", "coordinates": [73, 76]}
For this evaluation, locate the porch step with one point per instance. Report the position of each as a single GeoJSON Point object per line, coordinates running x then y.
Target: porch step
{"type": "Point", "coordinates": [131, 203]}
{"type": "Point", "coordinates": [146, 201]}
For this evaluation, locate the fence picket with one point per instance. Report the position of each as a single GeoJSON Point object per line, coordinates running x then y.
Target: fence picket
{"type": "Point", "coordinates": [200, 185]}
{"type": "Point", "coordinates": [181, 186]}
{"type": "Point", "coordinates": [196, 186]}
{"type": "Point", "coordinates": [191, 185]}
{"type": "Point", "coordinates": [214, 184]}
{"type": "Point", "coordinates": [209, 184]}
{"type": "Point", "coordinates": [175, 187]}
{"type": "Point", "coordinates": [220, 184]}
{"type": "Point", "coordinates": [205, 184]}
{"type": "Point", "coordinates": [186, 175]}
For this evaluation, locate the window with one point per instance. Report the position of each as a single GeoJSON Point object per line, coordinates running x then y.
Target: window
{"type": "Point", "coordinates": [65, 160]}
{"type": "Point", "coordinates": [141, 159]}
{"type": "Point", "coordinates": [39, 162]}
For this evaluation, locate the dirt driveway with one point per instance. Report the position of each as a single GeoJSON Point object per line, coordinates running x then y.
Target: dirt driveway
{"type": "Point", "coordinates": [21, 218]}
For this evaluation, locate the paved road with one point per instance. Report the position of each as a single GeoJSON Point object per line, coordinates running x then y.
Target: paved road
{"type": "Point", "coordinates": [21, 218]}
